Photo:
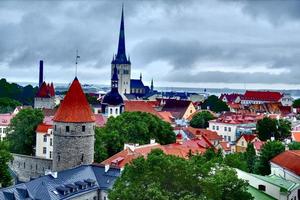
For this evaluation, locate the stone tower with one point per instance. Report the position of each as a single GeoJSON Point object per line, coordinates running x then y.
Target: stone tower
{"type": "Point", "coordinates": [73, 134]}
{"type": "Point", "coordinates": [123, 64]}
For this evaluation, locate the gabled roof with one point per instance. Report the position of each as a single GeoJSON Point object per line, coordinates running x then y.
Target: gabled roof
{"type": "Point", "coordinates": [175, 106]}
{"type": "Point", "coordinates": [230, 97]}
{"type": "Point", "coordinates": [289, 160]}
{"type": "Point", "coordinates": [248, 137]}
{"type": "Point", "coordinates": [262, 96]}
{"type": "Point", "coordinates": [142, 106]}
{"type": "Point", "coordinates": [74, 107]}
{"type": "Point", "coordinates": [47, 187]}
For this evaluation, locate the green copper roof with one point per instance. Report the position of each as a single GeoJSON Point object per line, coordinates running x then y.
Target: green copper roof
{"type": "Point", "coordinates": [284, 184]}
{"type": "Point", "coordinates": [259, 195]}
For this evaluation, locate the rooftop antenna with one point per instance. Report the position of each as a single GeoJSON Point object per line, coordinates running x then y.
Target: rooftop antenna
{"type": "Point", "coordinates": [76, 62]}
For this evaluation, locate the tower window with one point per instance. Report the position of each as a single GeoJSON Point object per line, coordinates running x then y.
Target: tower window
{"type": "Point", "coordinates": [55, 127]}
{"type": "Point", "coordinates": [83, 128]}
{"type": "Point", "coordinates": [58, 157]}
{"type": "Point", "coordinates": [67, 128]}
{"type": "Point", "coordinates": [82, 155]}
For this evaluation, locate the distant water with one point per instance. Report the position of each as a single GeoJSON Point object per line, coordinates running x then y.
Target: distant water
{"type": "Point", "coordinates": [93, 88]}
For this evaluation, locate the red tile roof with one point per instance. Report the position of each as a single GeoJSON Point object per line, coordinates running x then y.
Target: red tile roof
{"type": "Point", "coordinates": [100, 120]}
{"type": "Point", "coordinates": [43, 128]}
{"type": "Point", "coordinates": [46, 90]}
{"type": "Point", "coordinates": [166, 116]}
{"type": "Point", "coordinates": [258, 145]}
{"type": "Point", "coordinates": [142, 106]}
{"type": "Point", "coordinates": [210, 135]}
{"type": "Point", "coordinates": [262, 96]}
{"type": "Point", "coordinates": [237, 118]}
{"type": "Point", "coordinates": [74, 107]}
{"type": "Point", "coordinates": [296, 136]}
{"type": "Point", "coordinates": [225, 146]}
{"type": "Point", "coordinates": [230, 97]}
{"type": "Point", "coordinates": [248, 137]}
{"type": "Point", "coordinates": [289, 160]}
{"type": "Point", "coordinates": [193, 146]}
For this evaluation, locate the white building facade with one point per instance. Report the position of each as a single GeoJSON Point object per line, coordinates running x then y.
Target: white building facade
{"type": "Point", "coordinates": [44, 141]}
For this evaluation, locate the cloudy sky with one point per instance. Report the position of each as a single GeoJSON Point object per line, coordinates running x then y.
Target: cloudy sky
{"type": "Point", "coordinates": [192, 43]}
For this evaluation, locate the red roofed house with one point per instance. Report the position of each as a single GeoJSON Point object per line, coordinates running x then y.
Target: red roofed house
{"type": "Point", "coordinates": [287, 165]}
{"type": "Point", "coordinates": [225, 147]}
{"type": "Point", "coordinates": [261, 97]}
{"type": "Point", "coordinates": [180, 148]}
{"type": "Point", "coordinates": [244, 140]}
{"type": "Point", "coordinates": [231, 98]}
{"type": "Point", "coordinates": [212, 136]}
{"type": "Point", "coordinates": [45, 97]}
{"type": "Point", "coordinates": [180, 109]}
{"type": "Point", "coordinates": [44, 141]}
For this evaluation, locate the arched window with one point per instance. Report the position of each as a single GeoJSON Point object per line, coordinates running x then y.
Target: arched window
{"type": "Point", "coordinates": [110, 111]}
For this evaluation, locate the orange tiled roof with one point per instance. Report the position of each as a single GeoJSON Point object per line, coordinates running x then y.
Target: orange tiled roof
{"type": "Point", "coordinates": [262, 95]}
{"type": "Point", "coordinates": [225, 146]}
{"type": "Point", "coordinates": [289, 160]}
{"type": "Point", "coordinates": [142, 106]}
{"type": "Point", "coordinates": [181, 150]}
{"type": "Point", "coordinates": [43, 128]}
{"type": "Point", "coordinates": [296, 136]}
{"type": "Point", "coordinates": [166, 116]}
{"type": "Point", "coordinates": [210, 135]}
{"type": "Point", "coordinates": [74, 107]}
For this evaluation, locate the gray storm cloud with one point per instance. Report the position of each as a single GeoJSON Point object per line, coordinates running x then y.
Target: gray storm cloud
{"type": "Point", "coordinates": [197, 41]}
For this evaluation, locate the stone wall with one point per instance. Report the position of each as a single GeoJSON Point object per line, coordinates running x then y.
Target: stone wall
{"type": "Point", "coordinates": [44, 102]}
{"type": "Point", "coordinates": [27, 167]}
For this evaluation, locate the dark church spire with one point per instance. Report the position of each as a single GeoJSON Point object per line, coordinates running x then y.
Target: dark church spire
{"type": "Point", "coordinates": [121, 55]}
{"type": "Point", "coordinates": [114, 79]}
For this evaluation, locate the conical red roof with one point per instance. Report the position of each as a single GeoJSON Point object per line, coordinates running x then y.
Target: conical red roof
{"type": "Point", "coordinates": [74, 107]}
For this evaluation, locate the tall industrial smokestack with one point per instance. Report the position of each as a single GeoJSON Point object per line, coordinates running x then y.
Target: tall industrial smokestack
{"type": "Point", "coordinates": [41, 73]}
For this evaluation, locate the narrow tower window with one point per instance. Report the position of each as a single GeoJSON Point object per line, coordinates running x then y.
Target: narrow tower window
{"type": "Point", "coordinates": [83, 128]}
{"type": "Point", "coordinates": [67, 128]}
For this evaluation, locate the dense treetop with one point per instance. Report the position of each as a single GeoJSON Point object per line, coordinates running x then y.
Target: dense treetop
{"type": "Point", "coordinates": [166, 177]}
{"type": "Point", "coordinates": [200, 120]}
{"type": "Point", "coordinates": [130, 127]}
{"type": "Point", "coordinates": [5, 157]}
{"type": "Point", "coordinates": [215, 104]}
{"type": "Point", "coordinates": [21, 134]}
{"type": "Point", "coordinates": [25, 95]}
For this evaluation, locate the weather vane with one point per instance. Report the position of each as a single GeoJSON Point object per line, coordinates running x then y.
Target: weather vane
{"type": "Point", "coordinates": [76, 62]}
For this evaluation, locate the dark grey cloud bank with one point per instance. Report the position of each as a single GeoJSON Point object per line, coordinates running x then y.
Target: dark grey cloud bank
{"type": "Point", "coordinates": [192, 41]}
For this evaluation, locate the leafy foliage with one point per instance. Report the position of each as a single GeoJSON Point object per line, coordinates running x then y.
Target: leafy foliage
{"type": "Point", "coordinates": [268, 151]}
{"type": "Point", "coordinates": [7, 105]}
{"type": "Point", "coordinates": [5, 157]}
{"type": "Point", "coordinates": [268, 127]}
{"type": "Point", "coordinates": [200, 120]}
{"type": "Point", "coordinates": [130, 127]}
{"type": "Point", "coordinates": [25, 95]}
{"type": "Point", "coordinates": [296, 103]}
{"type": "Point", "coordinates": [166, 177]}
{"type": "Point", "coordinates": [21, 132]}
{"type": "Point", "coordinates": [215, 104]}
{"type": "Point", "coordinates": [236, 160]}
{"type": "Point", "coordinates": [294, 146]}
{"type": "Point", "coordinates": [92, 99]}
{"type": "Point", "coordinates": [250, 156]}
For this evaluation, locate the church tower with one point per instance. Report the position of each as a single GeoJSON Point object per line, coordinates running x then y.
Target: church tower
{"type": "Point", "coordinates": [112, 103]}
{"type": "Point", "coordinates": [74, 130]}
{"type": "Point", "coordinates": [122, 63]}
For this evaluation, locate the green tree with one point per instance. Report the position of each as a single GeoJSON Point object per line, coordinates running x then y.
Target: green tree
{"type": "Point", "coordinates": [268, 128]}
{"type": "Point", "coordinates": [268, 151]}
{"type": "Point", "coordinates": [250, 156]}
{"type": "Point", "coordinates": [131, 127]}
{"type": "Point", "coordinates": [21, 132]}
{"type": "Point", "coordinates": [169, 177]}
{"type": "Point", "coordinates": [284, 129]}
{"type": "Point", "coordinates": [236, 160]}
{"type": "Point", "coordinates": [8, 105]}
{"type": "Point", "coordinates": [200, 120]}
{"type": "Point", "coordinates": [296, 103]}
{"type": "Point", "coordinates": [294, 146]}
{"type": "Point", "coordinates": [5, 157]}
{"type": "Point", "coordinates": [25, 95]}
{"type": "Point", "coordinates": [215, 104]}
{"type": "Point", "coordinates": [92, 99]}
